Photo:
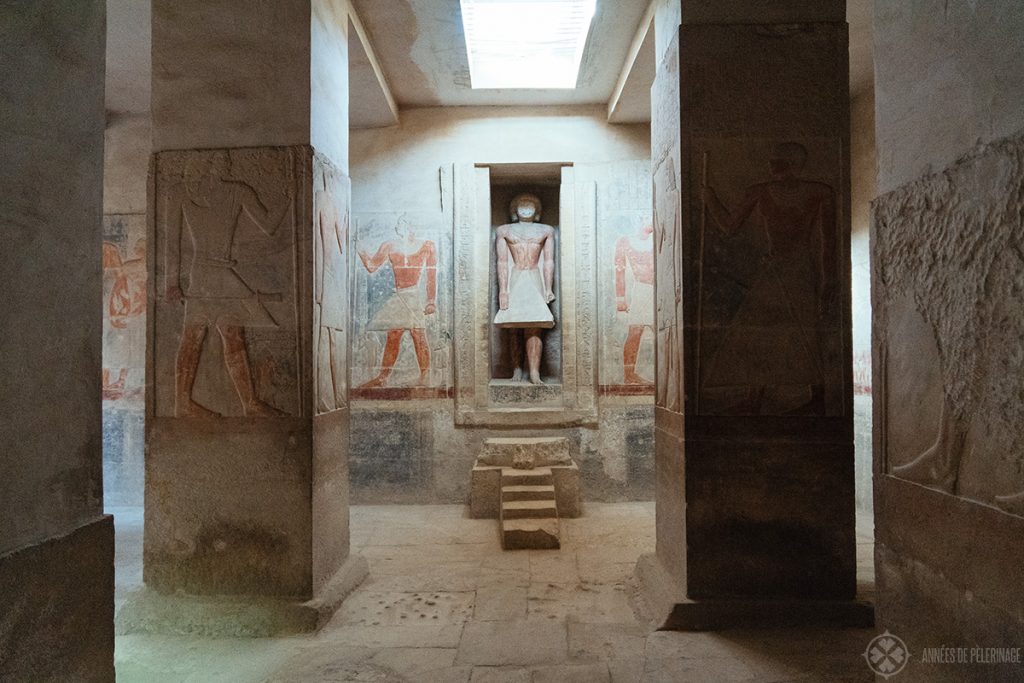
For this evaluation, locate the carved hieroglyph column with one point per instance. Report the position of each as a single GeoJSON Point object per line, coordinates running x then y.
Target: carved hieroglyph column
{"type": "Point", "coordinates": [754, 401]}
{"type": "Point", "coordinates": [246, 464]}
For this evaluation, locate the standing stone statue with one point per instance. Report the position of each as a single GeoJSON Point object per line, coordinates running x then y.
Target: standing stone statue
{"type": "Point", "coordinates": [525, 285]}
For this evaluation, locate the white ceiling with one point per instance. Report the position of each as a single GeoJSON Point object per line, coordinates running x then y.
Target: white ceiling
{"type": "Point", "coordinates": [422, 50]}
{"type": "Point", "coordinates": [419, 48]}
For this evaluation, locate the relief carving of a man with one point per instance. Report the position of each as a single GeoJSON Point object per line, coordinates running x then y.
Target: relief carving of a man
{"type": "Point", "coordinates": [770, 358]}
{"type": "Point", "coordinates": [204, 274]}
{"type": "Point", "coordinates": [525, 284]}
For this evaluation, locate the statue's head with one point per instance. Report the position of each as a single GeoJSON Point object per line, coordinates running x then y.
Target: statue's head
{"type": "Point", "coordinates": [788, 159]}
{"type": "Point", "coordinates": [525, 208]}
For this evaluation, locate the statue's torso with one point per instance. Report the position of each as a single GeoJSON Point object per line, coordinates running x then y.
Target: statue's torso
{"type": "Point", "coordinates": [525, 242]}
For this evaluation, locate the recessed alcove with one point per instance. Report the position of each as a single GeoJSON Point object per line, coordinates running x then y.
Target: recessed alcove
{"type": "Point", "coordinates": [507, 182]}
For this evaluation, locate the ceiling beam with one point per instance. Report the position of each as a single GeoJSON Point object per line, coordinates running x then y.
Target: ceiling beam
{"type": "Point", "coordinates": [378, 108]}
{"type": "Point", "coordinates": [621, 106]}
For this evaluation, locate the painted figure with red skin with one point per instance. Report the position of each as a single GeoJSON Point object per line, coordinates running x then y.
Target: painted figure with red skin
{"type": "Point", "coordinates": [405, 309]}
{"type": "Point", "coordinates": [637, 254]}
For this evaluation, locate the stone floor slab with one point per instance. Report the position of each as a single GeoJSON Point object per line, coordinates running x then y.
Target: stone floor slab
{"type": "Point", "coordinates": [502, 643]}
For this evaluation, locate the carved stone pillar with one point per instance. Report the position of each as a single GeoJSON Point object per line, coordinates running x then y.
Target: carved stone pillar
{"type": "Point", "coordinates": [754, 399]}
{"type": "Point", "coordinates": [246, 464]}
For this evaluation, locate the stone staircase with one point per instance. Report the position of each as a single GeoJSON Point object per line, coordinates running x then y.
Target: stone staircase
{"type": "Point", "coordinates": [529, 513]}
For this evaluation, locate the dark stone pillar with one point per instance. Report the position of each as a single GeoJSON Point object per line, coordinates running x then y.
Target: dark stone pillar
{"type": "Point", "coordinates": [754, 404]}
{"type": "Point", "coordinates": [56, 546]}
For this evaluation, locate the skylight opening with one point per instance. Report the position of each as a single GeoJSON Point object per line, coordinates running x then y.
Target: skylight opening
{"type": "Point", "coordinates": [526, 44]}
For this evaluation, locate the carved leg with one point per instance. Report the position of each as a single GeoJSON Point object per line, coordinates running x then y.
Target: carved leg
{"type": "Point", "coordinates": [630, 350]}
{"type": "Point", "coordinates": [939, 465]}
{"type": "Point", "coordinates": [534, 346]}
{"type": "Point", "coordinates": [516, 350]}
{"type": "Point", "coordinates": [387, 363]}
{"type": "Point", "coordinates": [337, 383]}
{"type": "Point", "coordinates": [185, 368]}
{"type": "Point", "coordinates": [237, 361]}
{"type": "Point", "coordinates": [326, 389]}
{"type": "Point", "coordinates": [419, 344]}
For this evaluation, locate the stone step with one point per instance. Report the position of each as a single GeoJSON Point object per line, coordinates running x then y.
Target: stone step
{"type": "Point", "coordinates": [535, 509]}
{"type": "Point", "coordinates": [530, 534]}
{"type": "Point", "coordinates": [537, 477]}
{"type": "Point", "coordinates": [528, 492]}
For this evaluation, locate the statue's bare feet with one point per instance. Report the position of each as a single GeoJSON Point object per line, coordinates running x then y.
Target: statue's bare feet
{"type": "Point", "coordinates": [376, 382]}
{"type": "Point", "coordinates": [258, 408]}
{"type": "Point", "coordinates": [535, 377]}
{"type": "Point", "coordinates": [517, 375]}
{"type": "Point", "coordinates": [422, 381]}
{"type": "Point", "coordinates": [631, 377]}
{"type": "Point", "coordinates": [193, 409]}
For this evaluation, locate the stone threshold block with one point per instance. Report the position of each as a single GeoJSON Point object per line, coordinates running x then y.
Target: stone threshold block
{"type": "Point", "coordinates": [244, 616]}
{"type": "Point", "coordinates": [666, 608]}
{"type": "Point", "coordinates": [524, 454]}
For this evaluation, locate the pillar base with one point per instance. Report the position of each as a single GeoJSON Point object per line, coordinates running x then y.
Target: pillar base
{"type": "Point", "coordinates": [245, 616]}
{"type": "Point", "coordinates": [665, 606]}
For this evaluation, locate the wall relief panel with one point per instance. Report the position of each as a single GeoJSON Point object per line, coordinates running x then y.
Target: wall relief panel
{"type": "Point", "coordinates": [625, 278]}
{"type": "Point", "coordinates": [226, 328]}
{"type": "Point", "coordinates": [769, 266]}
{"type": "Point", "coordinates": [950, 264]}
{"type": "Point", "coordinates": [402, 306]}
{"type": "Point", "coordinates": [331, 297]}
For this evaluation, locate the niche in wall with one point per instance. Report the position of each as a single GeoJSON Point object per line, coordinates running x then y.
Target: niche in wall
{"type": "Point", "coordinates": [507, 182]}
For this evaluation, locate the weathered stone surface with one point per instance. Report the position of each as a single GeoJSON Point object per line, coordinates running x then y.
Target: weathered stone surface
{"type": "Point", "coordinates": [56, 549]}
{"type": "Point", "coordinates": [950, 258]}
{"type": "Point", "coordinates": [529, 533]}
{"type": "Point", "coordinates": [58, 599]}
{"type": "Point", "coordinates": [247, 81]}
{"type": "Point", "coordinates": [538, 451]}
{"type": "Point", "coordinates": [495, 643]}
{"type": "Point", "coordinates": [945, 83]}
{"type": "Point", "coordinates": [947, 263]}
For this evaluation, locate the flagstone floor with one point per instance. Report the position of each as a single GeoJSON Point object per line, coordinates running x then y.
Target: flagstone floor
{"type": "Point", "coordinates": [444, 603]}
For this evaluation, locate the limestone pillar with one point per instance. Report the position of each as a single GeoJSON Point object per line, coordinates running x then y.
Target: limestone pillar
{"type": "Point", "coordinates": [246, 467]}
{"type": "Point", "coordinates": [56, 546]}
{"type": "Point", "coordinates": [754, 461]}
